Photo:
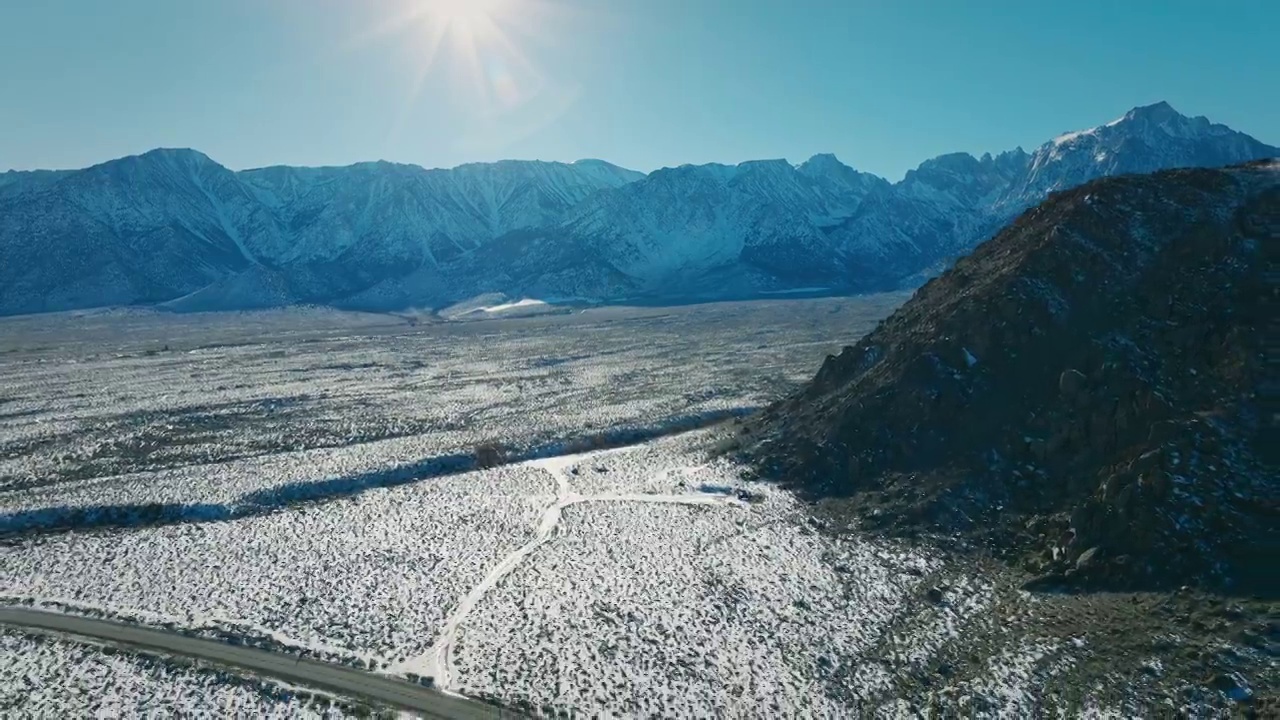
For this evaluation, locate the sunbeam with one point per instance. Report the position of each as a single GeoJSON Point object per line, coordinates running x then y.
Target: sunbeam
{"type": "Point", "coordinates": [477, 49]}
{"type": "Point", "coordinates": [471, 39]}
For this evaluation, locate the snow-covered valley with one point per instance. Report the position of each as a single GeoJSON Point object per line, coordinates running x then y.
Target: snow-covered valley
{"type": "Point", "coordinates": [307, 481]}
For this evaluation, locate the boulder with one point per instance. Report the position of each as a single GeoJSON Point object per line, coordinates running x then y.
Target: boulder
{"type": "Point", "coordinates": [1072, 384]}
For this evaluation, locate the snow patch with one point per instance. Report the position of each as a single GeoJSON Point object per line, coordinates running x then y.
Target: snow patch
{"type": "Point", "coordinates": [1069, 137]}
{"type": "Point", "coordinates": [795, 291]}
{"type": "Point", "coordinates": [504, 307]}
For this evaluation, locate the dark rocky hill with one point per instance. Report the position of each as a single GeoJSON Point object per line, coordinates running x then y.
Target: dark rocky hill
{"type": "Point", "coordinates": [1085, 393]}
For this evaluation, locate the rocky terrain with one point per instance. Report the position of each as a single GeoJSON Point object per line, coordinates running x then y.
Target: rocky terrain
{"type": "Point", "coordinates": [1079, 407]}
{"type": "Point", "coordinates": [176, 229]}
{"type": "Point", "coordinates": [1084, 393]}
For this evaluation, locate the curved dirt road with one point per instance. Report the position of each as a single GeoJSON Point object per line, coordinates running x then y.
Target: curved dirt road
{"type": "Point", "coordinates": [336, 678]}
{"type": "Point", "coordinates": [438, 660]}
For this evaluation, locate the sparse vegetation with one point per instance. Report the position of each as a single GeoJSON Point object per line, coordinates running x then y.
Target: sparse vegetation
{"type": "Point", "coordinates": [452, 391]}
{"type": "Point", "coordinates": [83, 402]}
{"type": "Point", "coordinates": [725, 445]}
{"type": "Point", "coordinates": [489, 455]}
{"type": "Point", "coordinates": [1079, 398]}
{"type": "Point", "coordinates": [63, 677]}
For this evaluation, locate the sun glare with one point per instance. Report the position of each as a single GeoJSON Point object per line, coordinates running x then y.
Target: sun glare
{"type": "Point", "coordinates": [475, 56]}
{"type": "Point", "coordinates": [471, 38]}
{"type": "Point", "coordinates": [464, 14]}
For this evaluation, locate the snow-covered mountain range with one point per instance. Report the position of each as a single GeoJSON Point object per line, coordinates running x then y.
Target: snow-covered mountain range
{"type": "Point", "coordinates": [173, 227]}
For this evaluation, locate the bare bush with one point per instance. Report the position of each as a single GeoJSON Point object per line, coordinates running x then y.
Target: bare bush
{"type": "Point", "coordinates": [489, 455]}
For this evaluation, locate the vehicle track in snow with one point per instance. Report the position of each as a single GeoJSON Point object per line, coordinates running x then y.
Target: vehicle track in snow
{"type": "Point", "coordinates": [437, 662]}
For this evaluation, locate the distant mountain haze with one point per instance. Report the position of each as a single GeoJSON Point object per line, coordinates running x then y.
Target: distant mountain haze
{"type": "Point", "coordinates": [174, 228]}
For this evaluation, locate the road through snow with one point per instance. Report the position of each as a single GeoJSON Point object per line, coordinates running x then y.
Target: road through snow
{"type": "Point", "coordinates": [437, 662]}
{"type": "Point", "coordinates": [422, 701]}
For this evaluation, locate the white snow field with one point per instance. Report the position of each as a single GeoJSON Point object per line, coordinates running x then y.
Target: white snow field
{"type": "Point", "coordinates": [369, 577]}
{"type": "Point", "coordinates": [43, 677]}
{"type": "Point", "coordinates": [647, 609]}
{"type": "Point", "coordinates": [672, 588]}
{"type": "Point", "coordinates": [305, 480]}
{"type": "Point", "coordinates": [146, 407]}
{"type": "Point", "coordinates": [731, 609]}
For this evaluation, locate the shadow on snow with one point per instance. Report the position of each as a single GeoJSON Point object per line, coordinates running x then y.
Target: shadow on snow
{"type": "Point", "coordinates": [261, 502]}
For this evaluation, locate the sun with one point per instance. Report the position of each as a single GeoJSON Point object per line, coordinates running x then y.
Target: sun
{"type": "Point", "coordinates": [465, 15]}
{"type": "Point", "coordinates": [473, 27]}
{"type": "Point", "coordinates": [479, 58]}
{"type": "Point", "coordinates": [464, 22]}
{"type": "Point", "coordinates": [474, 39]}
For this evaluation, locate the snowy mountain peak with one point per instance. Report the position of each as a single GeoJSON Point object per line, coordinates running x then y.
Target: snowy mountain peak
{"type": "Point", "coordinates": [607, 173]}
{"type": "Point", "coordinates": [182, 159]}
{"type": "Point", "coordinates": [1155, 112]}
{"type": "Point", "coordinates": [173, 223]}
{"type": "Point", "coordinates": [773, 165]}
{"type": "Point", "coordinates": [827, 158]}
{"type": "Point", "coordinates": [821, 163]}
{"type": "Point", "coordinates": [840, 179]}
{"type": "Point", "coordinates": [597, 165]}
{"type": "Point", "coordinates": [684, 173]}
{"type": "Point", "coordinates": [1145, 139]}
{"type": "Point", "coordinates": [1015, 158]}
{"type": "Point", "coordinates": [1150, 123]}
{"type": "Point", "coordinates": [175, 154]}
{"type": "Point", "coordinates": [185, 158]}
{"type": "Point", "coordinates": [826, 165]}
{"type": "Point", "coordinates": [1162, 118]}
{"type": "Point", "coordinates": [952, 163]}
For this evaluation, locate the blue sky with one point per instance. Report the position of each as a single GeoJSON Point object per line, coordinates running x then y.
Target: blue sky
{"type": "Point", "coordinates": [643, 83]}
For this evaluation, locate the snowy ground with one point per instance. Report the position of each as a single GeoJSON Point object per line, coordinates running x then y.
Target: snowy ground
{"type": "Point", "coordinates": [368, 577]}
{"type": "Point", "coordinates": [640, 581]}
{"type": "Point", "coordinates": [103, 409]}
{"type": "Point", "coordinates": [636, 582]}
{"type": "Point", "coordinates": [43, 677]}
{"type": "Point", "coordinates": [692, 610]}
{"type": "Point", "coordinates": [726, 609]}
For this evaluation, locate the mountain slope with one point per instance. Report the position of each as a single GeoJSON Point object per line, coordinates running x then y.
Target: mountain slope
{"type": "Point", "coordinates": [1080, 392]}
{"type": "Point", "coordinates": [1145, 139]}
{"type": "Point", "coordinates": [14, 182]}
{"type": "Point", "coordinates": [766, 225]}
{"type": "Point", "coordinates": [938, 209]}
{"type": "Point", "coordinates": [697, 218]}
{"type": "Point", "coordinates": [760, 225]}
{"type": "Point", "coordinates": [953, 202]}
{"type": "Point", "coordinates": [137, 230]}
{"type": "Point", "coordinates": [172, 223]}
{"type": "Point", "coordinates": [169, 223]}
{"type": "Point", "coordinates": [416, 215]}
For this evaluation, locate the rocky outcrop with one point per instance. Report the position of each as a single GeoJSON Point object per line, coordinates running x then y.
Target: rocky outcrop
{"type": "Point", "coordinates": [1084, 392]}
